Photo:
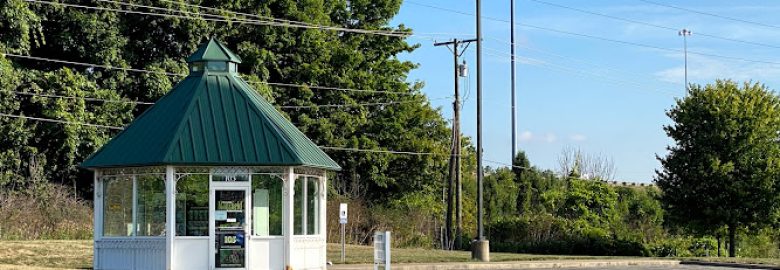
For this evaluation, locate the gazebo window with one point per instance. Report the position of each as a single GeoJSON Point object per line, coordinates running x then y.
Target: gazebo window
{"type": "Point", "coordinates": [150, 205]}
{"type": "Point", "coordinates": [266, 205]}
{"type": "Point", "coordinates": [192, 205]}
{"type": "Point", "coordinates": [216, 66]}
{"type": "Point", "coordinates": [306, 206]}
{"type": "Point", "coordinates": [134, 205]}
{"type": "Point", "coordinates": [118, 206]}
{"type": "Point", "coordinates": [312, 206]}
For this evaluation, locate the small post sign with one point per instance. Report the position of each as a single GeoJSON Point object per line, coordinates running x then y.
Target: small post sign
{"type": "Point", "coordinates": [343, 213]}
{"type": "Point", "coordinates": [342, 222]}
{"type": "Point", "coordinates": [382, 250]}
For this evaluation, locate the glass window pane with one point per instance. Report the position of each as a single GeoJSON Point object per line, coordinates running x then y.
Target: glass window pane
{"type": "Point", "coordinates": [229, 219]}
{"type": "Point", "coordinates": [312, 206]}
{"type": "Point", "coordinates": [216, 66]}
{"type": "Point", "coordinates": [266, 205]}
{"type": "Point", "coordinates": [118, 206]}
{"type": "Point", "coordinates": [151, 205]}
{"type": "Point", "coordinates": [192, 205]}
{"type": "Point", "coordinates": [298, 203]}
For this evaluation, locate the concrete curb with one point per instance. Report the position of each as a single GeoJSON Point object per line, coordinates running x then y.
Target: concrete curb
{"type": "Point", "coordinates": [512, 265]}
{"type": "Point", "coordinates": [732, 265]}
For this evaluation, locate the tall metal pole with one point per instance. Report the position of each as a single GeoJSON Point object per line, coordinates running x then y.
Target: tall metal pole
{"type": "Point", "coordinates": [481, 248]}
{"type": "Point", "coordinates": [685, 33]}
{"type": "Point", "coordinates": [514, 112]}
{"type": "Point", "coordinates": [480, 231]}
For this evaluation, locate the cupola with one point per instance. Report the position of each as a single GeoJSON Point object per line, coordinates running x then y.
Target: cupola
{"type": "Point", "coordinates": [213, 57]}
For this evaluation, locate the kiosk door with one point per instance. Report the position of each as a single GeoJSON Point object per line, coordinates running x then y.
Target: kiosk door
{"type": "Point", "coordinates": [229, 211]}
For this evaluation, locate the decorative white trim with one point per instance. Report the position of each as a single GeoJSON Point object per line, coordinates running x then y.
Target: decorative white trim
{"type": "Point", "coordinates": [150, 243]}
{"type": "Point", "coordinates": [97, 232]}
{"type": "Point", "coordinates": [288, 216]}
{"type": "Point", "coordinates": [243, 169]}
{"type": "Point", "coordinates": [135, 207]}
{"type": "Point", "coordinates": [308, 171]}
{"type": "Point", "coordinates": [133, 170]}
{"type": "Point", "coordinates": [309, 242]}
{"type": "Point", "coordinates": [170, 217]}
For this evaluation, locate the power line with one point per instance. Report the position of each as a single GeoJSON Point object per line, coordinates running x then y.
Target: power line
{"type": "Point", "coordinates": [711, 14]}
{"type": "Point", "coordinates": [595, 64]}
{"type": "Point", "coordinates": [652, 25]}
{"type": "Point", "coordinates": [603, 38]}
{"type": "Point", "coordinates": [184, 75]}
{"type": "Point", "coordinates": [82, 98]}
{"type": "Point", "coordinates": [283, 107]}
{"type": "Point", "coordinates": [220, 18]}
{"type": "Point", "coordinates": [122, 128]}
{"type": "Point", "coordinates": [381, 151]}
{"type": "Point", "coordinates": [558, 67]}
{"type": "Point", "coordinates": [59, 121]}
{"type": "Point", "coordinates": [354, 105]}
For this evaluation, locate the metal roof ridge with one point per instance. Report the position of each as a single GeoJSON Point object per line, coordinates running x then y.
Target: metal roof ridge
{"type": "Point", "coordinates": [290, 145]}
{"type": "Point", "coordinates": [145, 113]}
{"type": "Point", "coordinates": [279, 133]}
{"type": "Point", "coordinates": [177, 132]}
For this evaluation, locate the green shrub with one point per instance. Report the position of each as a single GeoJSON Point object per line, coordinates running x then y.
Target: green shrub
{"type": "Point", "coordinates": [49, 213]}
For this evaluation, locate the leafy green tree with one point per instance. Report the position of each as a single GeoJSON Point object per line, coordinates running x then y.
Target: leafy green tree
{"type": "Point", "coordinates": [723, 168]}
{"type": "Point", "coordinates": [589, 204]}
{"type": "Point", "coordinates": [641, 214]}
{"type": "Point", "coordinates": [500, 193]}
{"type": "Point", "coordinates": [270, 53]}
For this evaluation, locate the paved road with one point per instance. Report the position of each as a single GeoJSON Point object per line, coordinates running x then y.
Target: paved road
{"type": "Point", "coordinates": [678, 267]}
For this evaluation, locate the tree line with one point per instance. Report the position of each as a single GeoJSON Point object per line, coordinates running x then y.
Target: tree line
{"type": "Point", "coordinates": [718, 181]}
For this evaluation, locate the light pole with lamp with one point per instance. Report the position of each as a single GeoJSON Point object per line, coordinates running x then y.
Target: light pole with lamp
{"type": "Point", "coordinates": [685, 33]}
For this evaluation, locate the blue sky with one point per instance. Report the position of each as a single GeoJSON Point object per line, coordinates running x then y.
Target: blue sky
{"type": "Point", "coordinates": [602, 97]}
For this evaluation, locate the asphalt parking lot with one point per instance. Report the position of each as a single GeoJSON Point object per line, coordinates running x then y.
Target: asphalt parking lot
{"type": "Point", "coordinates": [676, 267]}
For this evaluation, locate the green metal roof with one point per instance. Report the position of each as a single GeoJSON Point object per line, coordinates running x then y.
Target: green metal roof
{"type": "Point", "coordinates": [211, 119]}
{"type": "Point", "coordinates": [213, 50]}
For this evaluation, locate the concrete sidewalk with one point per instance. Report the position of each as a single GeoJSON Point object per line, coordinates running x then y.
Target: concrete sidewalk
{"type": "Point", "coordinates": [514, 265]}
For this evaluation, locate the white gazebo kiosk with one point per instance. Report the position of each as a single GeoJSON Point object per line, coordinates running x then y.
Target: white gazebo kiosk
{"type": "Point", "coordinates": [210, 177]}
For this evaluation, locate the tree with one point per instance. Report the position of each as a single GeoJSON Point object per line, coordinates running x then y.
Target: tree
{"type": "Point", "coordinates": [573, 163]}
{"type": "Point", "coordinates": [270, 53]}
{"type": "Point", "coordinates": [724, 165]}
{"type": "Point", "coordinates": [501, 193]}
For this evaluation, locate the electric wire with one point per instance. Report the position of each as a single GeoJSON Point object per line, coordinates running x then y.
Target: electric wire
{"type": "Point", "coordinates": [49, 120]}
{"type": "Point", "coordinates": [184, 75]}
{"type": "Point", "coordinates": [59, 121]}
{"type": "Point", "coordinates": [711, 14]}
{"type": "Point", "coordinates": [82, 98]}
{"type": "Point", "coordinates": [566, 69]}
{"type": "Point", "coordinates": [652, 25]}
{"type": "Point", "coordinates": [219, 18]}
{"type": "Point", "coordinates": [283, 107]}
{"type": "Point", "coordinates": [636, 44]}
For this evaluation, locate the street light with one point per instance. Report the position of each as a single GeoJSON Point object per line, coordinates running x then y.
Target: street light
{"type": "Point", "coordinates": [685, 33]}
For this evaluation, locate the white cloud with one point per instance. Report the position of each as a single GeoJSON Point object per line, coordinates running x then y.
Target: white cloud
{"type": "Point", "coordinates": [578, 137]}
{"type": "Point", "coordinates": [702, 68]}
{"type": "Point", "coordinates": [526, 136]}
{"type": "Point", "coordinates": [550, 138]}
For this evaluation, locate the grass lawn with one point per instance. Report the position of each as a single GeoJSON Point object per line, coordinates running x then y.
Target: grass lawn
{"type": "Point", "coordinates": [45, 254]}
{"type": "Point", "coordinates": [364, 254]}
{"type": "Point", "coordinates": [56, 254]}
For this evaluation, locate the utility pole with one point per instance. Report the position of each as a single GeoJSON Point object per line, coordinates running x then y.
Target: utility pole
{"type": "Point", "coordinates": [455, 175]}
{"type": "Point", "coordinates": [685, 33]}
{"type": "Point", "coordinates": [514, 112]}
{"type": "Point", "coordinates": [480, 248]}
